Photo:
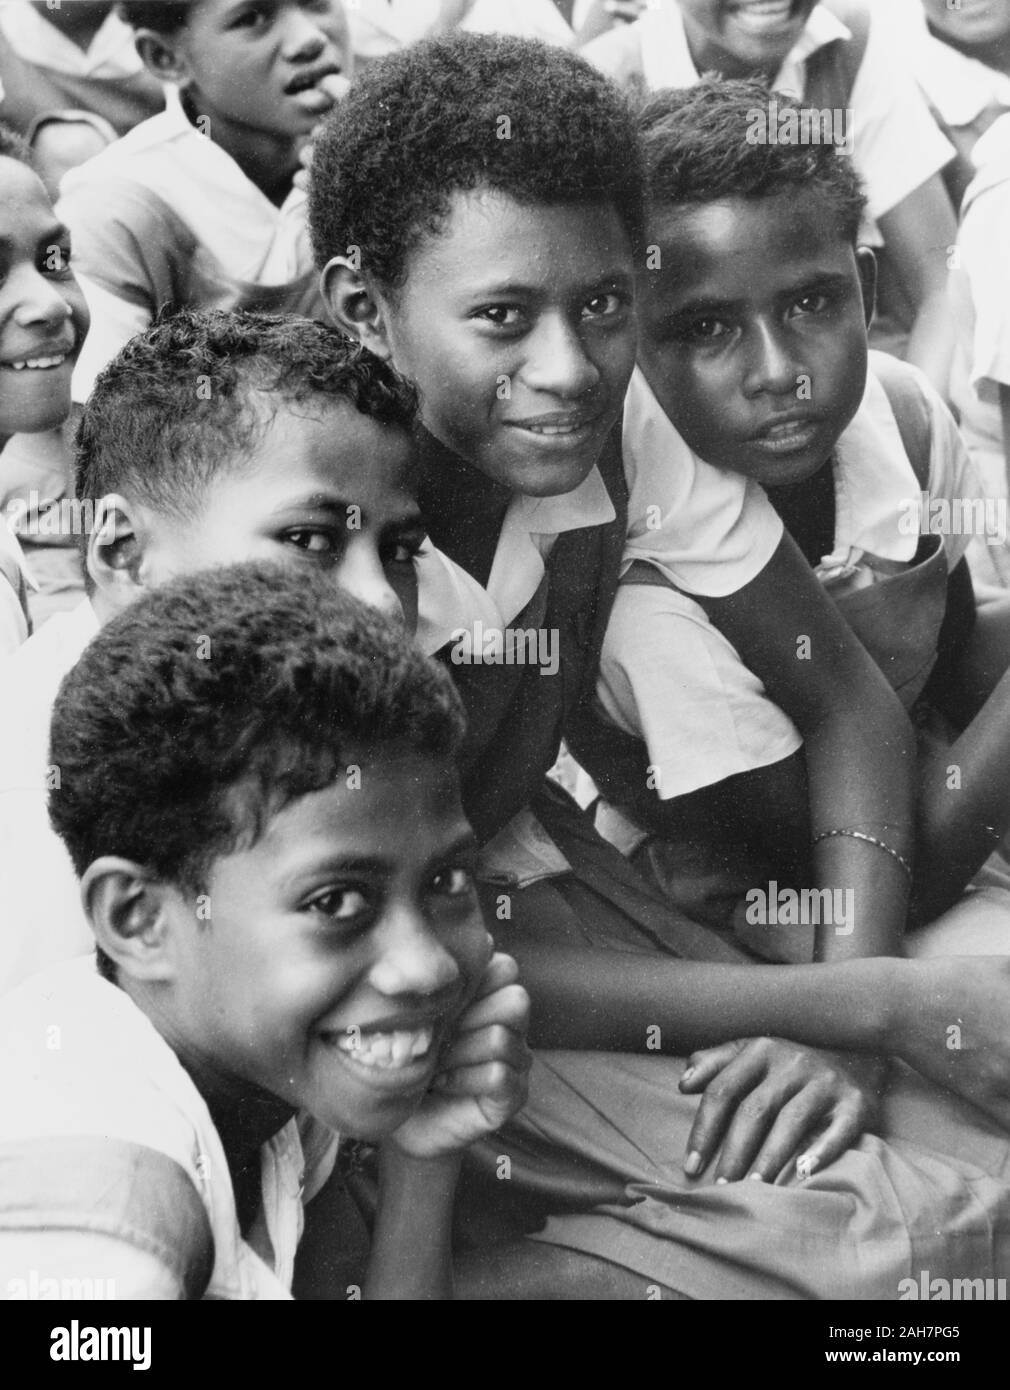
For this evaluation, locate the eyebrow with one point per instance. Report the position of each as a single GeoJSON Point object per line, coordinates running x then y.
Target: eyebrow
{"type": "Point", "coordinates": [622, 278]}
{"type": "Point", "coordinates": [55, 232]}
{"type": "Point", "coordinates": [817, 280]}
{"type": "Point", "coordinates": [374, 865]}
{"type": "Point", "coordinates": [328, 502]}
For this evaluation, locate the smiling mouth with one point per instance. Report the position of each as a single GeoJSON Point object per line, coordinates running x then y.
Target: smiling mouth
{"type": "Point", "coordinates": [760, 15]}
{"type": "Point", "coordinates": [562, 428]}
{"type": "Point", "coordinates": [37, 364]}
{"type": "Point", "coordinates": [388, 1052]}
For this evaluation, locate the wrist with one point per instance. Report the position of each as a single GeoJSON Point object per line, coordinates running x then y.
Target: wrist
{"type": "Point", "coordinates": [888, 992]}
{"type": "Point", "coordinates": [399, 1167]}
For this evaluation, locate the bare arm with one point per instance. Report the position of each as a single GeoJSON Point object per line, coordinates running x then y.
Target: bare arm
{"type": "Point", "coordinates": [860, 749]}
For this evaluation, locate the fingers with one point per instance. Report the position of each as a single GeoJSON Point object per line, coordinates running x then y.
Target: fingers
{"type": "Point", "coordinates": [335, 85]}
{"type": "Point", "coordinates": [498, 1042]}
{"type": "Point", "coordinates": [703, 1065]}
{"type": "Point", "coordinates": [499, 1090]}
{"type": "Point", "coordinates": [723, 1096]}
{"type": "Point", "coordinates": [843, 1131]}
{"type": "Point", "coordinates": [496, 992]}
{"type": "Point", "coordinates": [787, 1126]}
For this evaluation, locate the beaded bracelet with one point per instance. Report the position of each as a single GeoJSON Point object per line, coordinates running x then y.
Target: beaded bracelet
{"type": "Point", "coordinates": [870, 840]}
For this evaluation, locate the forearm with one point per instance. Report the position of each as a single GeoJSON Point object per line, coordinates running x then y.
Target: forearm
{"type": "Point", "coordinates": [865, 785]}
{"type": "Point", "coordinates": [594, 999]}
{"type": "Point", "coordinates": [411, 1257]}
{"type": "Point", "coordinates": [964, 807]}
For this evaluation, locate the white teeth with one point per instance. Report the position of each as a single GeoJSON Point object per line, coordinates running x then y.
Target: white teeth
{"type": "Point", "coordinates": [554, 429]}
{"type": "Point", "coordinates": [386, 1051]}
{"type": "Point", "coordinates": [35, 363]}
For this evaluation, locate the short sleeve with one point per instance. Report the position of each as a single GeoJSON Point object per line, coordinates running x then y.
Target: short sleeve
{"type": "Point", "coordinates": [709, 532]}
{"type": "Point", "coordinates": [897, 144]}
{"type": "Point", "coordinates": [952, 474]}
{"type": "Point", "coordinates": [670, 677]}
{"type": "Point", "coordinates": [984, 238]}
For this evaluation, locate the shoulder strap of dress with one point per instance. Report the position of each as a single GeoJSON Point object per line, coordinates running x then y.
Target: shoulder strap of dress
{"type": "Point", "coordinates": [831, 70]}
{"type": "Point", "coordinates": [911, 411]}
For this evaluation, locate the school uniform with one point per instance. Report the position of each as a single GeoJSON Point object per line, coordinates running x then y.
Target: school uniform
{"type": "Point", "coordinates": [43, 72]}
{"type": "Point", "coordinates": [103, 1131]}
{"type": "Point", "coordinates": [979, 292]}
{"type": "Point", "coordinates": [595, 1156]}
{"type": "Point", "coordinates": [166, 217]}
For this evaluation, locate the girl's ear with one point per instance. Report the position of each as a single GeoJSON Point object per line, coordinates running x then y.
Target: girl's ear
{"type": "Point", "coordinates": [355, 306]}
{"type": "Point", "coordinates": [866, 263]}
{"type": "Point", "coordinates": [162, 58]}
{"type": "Point", "coordinates": [114, 551]}
{"type": "Point", "coordinates": [129, 916]}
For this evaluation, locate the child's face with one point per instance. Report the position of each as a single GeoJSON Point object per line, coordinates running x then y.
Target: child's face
{"type": "Point", "coordinates": [517, 325]}
{"type": "Point", "coordinates": [339, 947]}
{"type": "Point", "coordinates": [973, 22]}
{"type": "Point", "coordinates": [43, 314]}
{"type": "Point", "coordinates": [323, 485]}
{"type": "Point", "coordinates": [258, 63]}
{"type": "Point", "coordinates": [756, 34]}
{"type": "Point", "coordinates": [753, 332]}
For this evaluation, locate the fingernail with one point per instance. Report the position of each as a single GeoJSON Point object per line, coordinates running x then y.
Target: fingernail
{"type": "Point", "coordinates": [805, 1165]}
{"type": "Point", "coordinates": [756, 1177]}
{"type": "Point", "coordinates": [721, 1182]}
{"type": "Point", "coordinates": [693, 1164]}
{"type": "Point", "coordinates": [688, 1074]}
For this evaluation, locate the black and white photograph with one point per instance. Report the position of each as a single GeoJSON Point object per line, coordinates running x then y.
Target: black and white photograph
{"type": "Point", "coordinates": [505, 664]}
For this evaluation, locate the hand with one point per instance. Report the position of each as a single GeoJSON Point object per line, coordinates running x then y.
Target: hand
{"type": "Point", "coordinates": [765, 1100]}
{"type": "Point", "coordinates": [484, 1072]}
{"type": "Point", "coordinates": [953, 1026]}
{"type": "Point", "coordinates": [336, 86]}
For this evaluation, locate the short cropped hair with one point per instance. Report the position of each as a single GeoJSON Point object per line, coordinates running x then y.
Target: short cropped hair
{"type": "Point", "coordinates": [214, 701]}
{"type": "Point", "coordinates": [14, 146]}
{"type": "Point", "coordinates": [163, 16]}
{"type": "Point", "coordinates": [181, 403]}
{"type": "Point", "coordinates": [696, 148]}
{"type": "Point", "coordinates": [457, 113]}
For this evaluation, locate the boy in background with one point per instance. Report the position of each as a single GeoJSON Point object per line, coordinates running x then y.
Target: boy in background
{"type": "Point", "coordinates": [214, 438]}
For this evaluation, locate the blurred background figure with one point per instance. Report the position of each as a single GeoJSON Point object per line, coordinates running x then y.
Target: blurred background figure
{"type": "Point", "coordinates": [72, 80]}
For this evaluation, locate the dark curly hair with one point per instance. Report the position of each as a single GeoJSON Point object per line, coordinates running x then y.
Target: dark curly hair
{"type": "Point", "coordinates": [426, 123]}
{"type": "Point", "coordinates": [696, 148]}
{"type": "Point", "coordinates": [212, 702]}
{"type": "Point", "coordinates": [163, 16]}
{"type": "Point", "coordinates": [183, 401]}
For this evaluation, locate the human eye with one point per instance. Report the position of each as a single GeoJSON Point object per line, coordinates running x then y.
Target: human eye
{"type": "Point", "coordinates": [816, 302]}
{"type": "Point", "coordinates": [706, 329]}
{"type": "Point", "coordinates": [455, 881]}
{"type": "Point", "coordinates": [344, 904]}
{"type": "Point", "coordinates": [255, 16]}
{"type": "Point", "coordinates": [54, 259]}
{"type": "Point", "coordinates": [501, 315]}
{"type": "Point", "coordinates": [606, 305]}
{"type": "Point", "coordinates": [313, 540]}
{"type": "Point", "coordinates": [402, 549]}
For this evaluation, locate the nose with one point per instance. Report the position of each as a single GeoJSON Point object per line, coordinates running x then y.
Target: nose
{"type": "Point", "coordinates": [772, 367]}
{"type": "Point", "coordinates": [411, 959]}
{"type": "Point", "coordinates": [558, 364]}
{"type": "Point", "coordinates": [361, 573]}
{"type": "Point", "coordinates": [38, 300]}
{"type": "Point", "coordinates": [304, 36]}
